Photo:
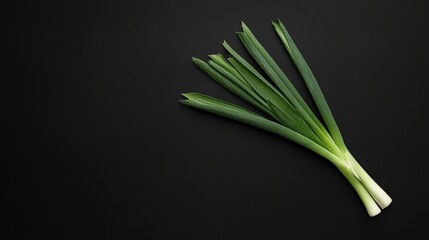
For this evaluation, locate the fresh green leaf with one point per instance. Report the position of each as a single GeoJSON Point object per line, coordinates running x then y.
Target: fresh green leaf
{"type": "Point", "coordinates": [231, 86]}
{"type": "Point", "coordinates": [311, 83]}
{"type": "Point", "coordinates": [235, 112]}
{"type": "Point", "coordinates": [285, 85]}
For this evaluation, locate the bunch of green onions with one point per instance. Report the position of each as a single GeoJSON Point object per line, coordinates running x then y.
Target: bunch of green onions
{"type": "Point", "coordinates": [287, 114]}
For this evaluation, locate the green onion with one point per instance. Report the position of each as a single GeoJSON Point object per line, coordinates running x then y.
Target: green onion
{"type": "Point", "coordinates": [287, 114]}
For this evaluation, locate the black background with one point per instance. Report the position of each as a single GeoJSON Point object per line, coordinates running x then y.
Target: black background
{"type": "Point", "coordinates": [98, 147]}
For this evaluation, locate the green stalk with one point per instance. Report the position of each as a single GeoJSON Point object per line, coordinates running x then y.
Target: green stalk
{"type": "Point", "coordinates": [290, 116]}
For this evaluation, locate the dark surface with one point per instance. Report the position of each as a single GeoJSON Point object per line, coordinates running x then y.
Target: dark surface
{"type": "Point", "coordinates": [98, 147]}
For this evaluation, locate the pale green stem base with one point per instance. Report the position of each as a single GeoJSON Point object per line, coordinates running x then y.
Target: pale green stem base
{"type": "Point", "coordinates": [366, 198]}
{"type": "Point", "coordinates": [379, 195]}
{"type": "Point", "coordinates": [371, 194]}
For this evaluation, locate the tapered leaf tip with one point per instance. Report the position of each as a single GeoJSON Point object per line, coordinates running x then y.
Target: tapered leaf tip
{"type": "Point", "coordinates": [185, 95]}
{"type": "Point", "coordinates": [244, 26]}
{"type": "Point", "coordinates": [280, 23]}
{"type": "Point", "coordinates": [275, 24]}
{"type": "Point", "coordinates": [197, 61]}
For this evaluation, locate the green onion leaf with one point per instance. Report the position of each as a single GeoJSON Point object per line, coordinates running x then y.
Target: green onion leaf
{"type": "Point", "coordinates": [311, 83]}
